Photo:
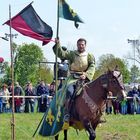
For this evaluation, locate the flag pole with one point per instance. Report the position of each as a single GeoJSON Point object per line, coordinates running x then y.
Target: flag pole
{"type": "Point", "coordinates": [57, 32]}
{"type": "Point", "coordinates": [56, 61]}
{"type": "Point", "coordinates": [56, 64]}
{"type": "Point", "coordinates": [12, 78]}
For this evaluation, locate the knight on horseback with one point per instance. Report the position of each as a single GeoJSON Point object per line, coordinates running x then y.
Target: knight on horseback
{"type": "Point", "coordinates": [82, 68]}
{"type": "Point", "coordinates": [89, 102]}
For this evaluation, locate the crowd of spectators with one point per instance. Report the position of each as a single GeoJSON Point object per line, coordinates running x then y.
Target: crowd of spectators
{"type": "Point", "coordinates": [130, 105]}
{"type": "Point", "coordinates": [43, 92]}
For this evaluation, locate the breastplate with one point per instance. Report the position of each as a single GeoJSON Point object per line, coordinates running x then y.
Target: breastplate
{"type": "Point", "coordinates": [80, 62]}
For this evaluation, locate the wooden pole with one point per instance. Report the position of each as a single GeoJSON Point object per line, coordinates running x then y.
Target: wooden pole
{"type": "Point", "coordinates": [12, 78]}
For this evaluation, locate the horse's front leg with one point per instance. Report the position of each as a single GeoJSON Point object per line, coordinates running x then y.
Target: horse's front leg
{"type": "Point", "coordinates": [91, 131]}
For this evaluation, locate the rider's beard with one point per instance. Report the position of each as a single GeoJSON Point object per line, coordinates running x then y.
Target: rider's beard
{"type": "Point", "coordinates": [81, 50]}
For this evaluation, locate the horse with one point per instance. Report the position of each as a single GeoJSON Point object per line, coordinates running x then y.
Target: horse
{"type": "Point", "coordinates": [90, 104]}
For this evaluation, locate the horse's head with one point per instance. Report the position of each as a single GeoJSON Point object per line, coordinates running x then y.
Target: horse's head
{"type": "Point", "coordinates": [114, 83]}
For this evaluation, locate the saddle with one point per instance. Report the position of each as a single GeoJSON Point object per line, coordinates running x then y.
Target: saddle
{"type": "Point", "coordinates": [79, 86]}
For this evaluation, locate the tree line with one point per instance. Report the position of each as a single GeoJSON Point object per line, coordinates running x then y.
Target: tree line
{"type": "Point", "coordinates": [27, 68]}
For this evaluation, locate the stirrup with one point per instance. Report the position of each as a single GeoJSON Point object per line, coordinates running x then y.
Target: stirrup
{"type": "Point", "coordinates": [66, 118]}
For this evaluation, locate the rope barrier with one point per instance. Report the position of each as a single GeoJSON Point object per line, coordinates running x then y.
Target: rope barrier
{"type": "Point", "coordinates": [113, 97]}
{"type": "Point", "coordinates": [28, 96]}
{"type": "Point", "coordinates": [116, 97]}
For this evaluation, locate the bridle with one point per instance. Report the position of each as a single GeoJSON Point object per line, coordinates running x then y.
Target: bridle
{"type": "Point", "coordinates": [104, 81]}
{"type": "Point", "coordinates": [116, 77]}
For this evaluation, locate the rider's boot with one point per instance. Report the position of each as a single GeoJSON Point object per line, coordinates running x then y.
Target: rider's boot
{"type": "Point", "coordinates": [68, 102]}
{"type": "Point", "coordinates": [66, 115]}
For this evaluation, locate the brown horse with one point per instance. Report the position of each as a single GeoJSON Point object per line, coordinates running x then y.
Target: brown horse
{"type": "Point", "coordinates": [89, 105]}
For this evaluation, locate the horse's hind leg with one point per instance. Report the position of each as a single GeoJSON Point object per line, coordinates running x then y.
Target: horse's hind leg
{"type": "Point", "coordinates": [56, 137]}
{"type": "Point", "coordinates": [91, 131]}
{"type": "Point", "coordinates": [65, 134]}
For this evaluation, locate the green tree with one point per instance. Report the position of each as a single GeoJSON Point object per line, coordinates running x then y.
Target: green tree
{"type": "Point", "coordinates": [44, 69]}
{"type": "Point", "coordinates": [26, 65]}
{"type": "Point", "coordinates": [6, 69]}
{"type": "Point", "coordinates": [3, 67]}
{"type": "Point", "coordinates": [5, 73]}
{"type": "Point", "coordinates": [109, 61]}
{"type": "Point", "coordinates": [135, 74]}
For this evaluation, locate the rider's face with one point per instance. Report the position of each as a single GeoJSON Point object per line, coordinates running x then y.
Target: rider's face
{"type": "Point", "coordinates": [81, 46]}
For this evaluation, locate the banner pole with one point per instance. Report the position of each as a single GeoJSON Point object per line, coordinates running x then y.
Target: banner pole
{"type": "Point", "coordinates": [56, 60]}
{"type": "Point", "coordinates": [56, 66]}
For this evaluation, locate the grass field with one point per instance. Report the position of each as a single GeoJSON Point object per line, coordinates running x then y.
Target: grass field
{"type": "Point", "coordinates": [117, 127]}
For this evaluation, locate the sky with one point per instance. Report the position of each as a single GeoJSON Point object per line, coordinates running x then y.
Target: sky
{"type": "Point", "coordinates": [107, 25]}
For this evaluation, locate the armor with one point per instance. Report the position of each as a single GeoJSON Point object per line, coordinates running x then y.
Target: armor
{"type": "Point", "coordinates": [80, 62]}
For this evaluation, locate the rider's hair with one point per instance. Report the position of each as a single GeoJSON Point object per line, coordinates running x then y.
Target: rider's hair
{"type": "Point", "coordinates": [82, 39]}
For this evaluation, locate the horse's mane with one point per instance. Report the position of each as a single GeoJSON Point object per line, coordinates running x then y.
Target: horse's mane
{"type": "Point", "coordinates": [102, 76]}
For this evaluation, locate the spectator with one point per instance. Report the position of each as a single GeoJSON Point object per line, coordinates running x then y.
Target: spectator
{"type": "Point", "coordinates": [5, 100]}
{"type": "Point", "coordinates": [52, 89]}
{"type": "Point", "coordinates": [10, 99]}
{"type": "Point", "coordinates": [132, 103]}
{"type": "Point", "coordinates": [109, 104]}
{"type": "Point", "coordinates": [18, 91]}
{"type": "Point", "coordinates": [116, 106]}
{"type": "Point", "coordinates": [29, 102]}
{"type": "Point", "coordinates": [139, 90]}
{"type": "Point", "coordinates": [138, 110]}
{"type": "Point", "coordinates": [124, 106]}
{"type": "Point", "coordinates": [43, 91]}
{"type": "Point", "coordinates": [51, 93]}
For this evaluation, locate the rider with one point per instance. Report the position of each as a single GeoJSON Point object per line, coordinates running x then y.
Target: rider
{"type": "Point", "coordinates": [80, 62]}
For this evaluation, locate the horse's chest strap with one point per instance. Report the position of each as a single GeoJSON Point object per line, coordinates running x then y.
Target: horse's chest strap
{"type": "Point", "coordinates": [89, 101]}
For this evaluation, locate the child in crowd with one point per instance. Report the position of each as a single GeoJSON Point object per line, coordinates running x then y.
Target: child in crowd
{"type": "Point", "coordinates": [109, 104]}
{"type": "Point", "coordinates": [5, 100]}
{"type": "Point", "coordinates": [124, 106]}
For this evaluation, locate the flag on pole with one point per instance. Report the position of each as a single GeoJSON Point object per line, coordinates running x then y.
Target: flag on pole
{"type": "Point", "coordinates": [66, 12]}
{"type": "Point", "coordinates": [28, 23]}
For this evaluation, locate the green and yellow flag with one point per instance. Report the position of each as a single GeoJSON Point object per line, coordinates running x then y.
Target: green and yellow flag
{"type": "Point", "coordinates": [66, 12]}
{"type": "Point", "coordinates": [53, 120]}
